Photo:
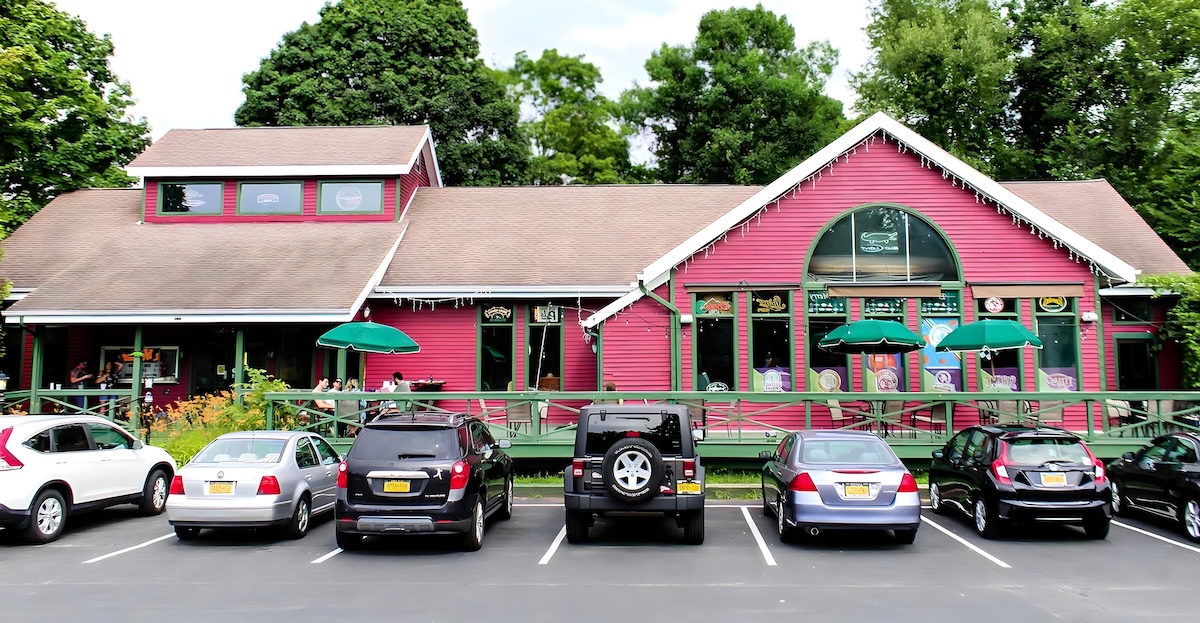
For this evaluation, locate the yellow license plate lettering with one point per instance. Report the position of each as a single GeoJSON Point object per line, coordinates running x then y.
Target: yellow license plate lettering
{"type": "Point", "coordinates": [395, 486]}
{"type": "Point", "coordinates": [1054, 480]}
{"type": "Point", "coordinates": [689, 487]}
{"type": "Point", "coordinates": [220, 487]}
{"type": "Point", "coordinates": [858, 491]}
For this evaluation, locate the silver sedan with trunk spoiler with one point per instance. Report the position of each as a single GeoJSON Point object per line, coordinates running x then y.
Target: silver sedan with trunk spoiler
{"type": "Point", "coordinates": [837, 480]}
{"type": "Point", "coordinates": [255, 479]}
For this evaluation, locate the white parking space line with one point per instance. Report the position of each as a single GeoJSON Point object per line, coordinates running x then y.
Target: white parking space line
{"type": "Point", "coordinates": [129, 549]}
{"type": "Point", "coordinates": [762, 545]}
{"type": "Point", "coordinates": [1157, 536]}
{"type": "Point", "coordinates": [966, 543]}
{"type": "Point", "coordinates": [326, 557]}
{"type": "Point", "coordinates": [562, 534]}
{"type": "Point", "coordinates": [536, 505]}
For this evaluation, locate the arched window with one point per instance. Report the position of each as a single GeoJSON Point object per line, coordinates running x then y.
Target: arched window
{"type": "Point", "coordinates": [882, 243]}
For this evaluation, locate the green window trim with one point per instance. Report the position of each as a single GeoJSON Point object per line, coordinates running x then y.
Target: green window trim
{"type": "Point", "coordinates": [158, 198]}
{"type": "Point", "coordinates": [787, 297]}
{"type": "Point", "coordinates": [1115, 303]}
{"type": "Point", "coordinates": [481, 324]}
{"type": "Point", "coordinates": [843, 318]}
{"type": "Point", "coordinates": [321, 195]}
{"type": "Point", "coordinates": [731, 315]}
{"type": "Point", "coordinates": [981, 367]}
{"type": "Point", "coordinates": [1133, 336]}
{"type": "Point", "coordinates": [962, 364]}
{"type": "Point", "coordinates": [1069, 312]}
{"type": "Point", "coordinates": [530, 325]}
{"type": "Point", "coordinates": [243, 183]}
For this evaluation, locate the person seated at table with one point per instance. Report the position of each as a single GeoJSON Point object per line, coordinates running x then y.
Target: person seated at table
{"type": "Point", "coordinates": [398, 385]}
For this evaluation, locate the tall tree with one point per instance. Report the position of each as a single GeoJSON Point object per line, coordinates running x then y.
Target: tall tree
{"type": "Point", "coordinates": [575, 131]}
{"type": "Point", "coordinates": [742, 104]}
{"type": "Point", "coordinates": [63, 114]}
{"type": "Point", "coordinates": [395, 62]}
{"type": "Point", "coordinates": [940, 66]}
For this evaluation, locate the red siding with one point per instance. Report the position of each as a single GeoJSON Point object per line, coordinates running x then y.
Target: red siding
{"type": "Point", "coordinates": [1168, 358]}
{"type": "Point", "coordinates": [447, 338]}
{"type": "Point", "coordinates": [637, 346]}
{"type": "Point", "coordinates": [230, 214]}
{"type": "Point", "coordinates": [409, 183]}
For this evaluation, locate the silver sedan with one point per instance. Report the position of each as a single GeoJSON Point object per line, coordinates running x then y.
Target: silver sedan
{"type": "Point", "coordinates": [255, 479]}
{"type": "Point", "coordinates": [836, 480]}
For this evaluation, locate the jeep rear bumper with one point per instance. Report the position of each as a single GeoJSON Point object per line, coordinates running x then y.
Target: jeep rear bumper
{"type": "Point", "coordinates": [656, 504]}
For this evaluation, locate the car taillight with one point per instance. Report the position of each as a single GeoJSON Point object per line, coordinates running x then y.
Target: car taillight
{"type": "Point", "coordinates": [1000, 466]}
{"type": "Point", "coordinates": [802, 482]}
{"type": "Point", "coordinates": [341, 482]}
{"type": "Point", "coordinates": [460, 473]}
{"type": "Point", "coordinates": [7, 460]}
{"type": "Point", "coordinates": [269, 485]}
{"type": "Point", "coordinates": [1100, 472]}
{"type": "Point", "coordinates": [577, 468]}
{"type": "Point", "coordinates": [908, 484]}
{"type": "Point", "coordinates": [177, 485]}
{"type": "Point", "coordinates": [689, 469]}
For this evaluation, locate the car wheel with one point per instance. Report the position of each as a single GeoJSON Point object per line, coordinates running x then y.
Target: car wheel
{"type": "Point", "coordinates": [348, 542]}
{"type": "Point", "coordinates": [986, 524]}
{"type": "Point", "coordinates": [632, 470]}
{"type": "Point", "coordinates": [905, 537]}
{"type": "Point", "coordinates": [154, 494]}
{"type": "Point", "coordinates": [301, 517]}
{"type": "Point", "coordinates": [787, 534]}
{"type": "Point", "coordinates": [49, 518]}
{"type": "Point", "coordinates": [935, 500]}
{"type": "Point", "coordinates": [506, 509]}
{"type": "Point", "coordinates": [1190, 516]}
{"type": "Point", "coordinates": [1120, 504]}
{"type": "Point", "coordinates": [473, 540]}
{"type": "Point", "coordinates": [186, 533]}
{"type": "Point", "coordinates": [578, 524]}
{"type": "Point", "coordinates": [1097, 528]}
{"type": "Point", "coordinates": [693, 528]}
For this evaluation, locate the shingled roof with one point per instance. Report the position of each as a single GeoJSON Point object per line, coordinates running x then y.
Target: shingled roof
{"type": "Point", "coordinates": [548, 235]}
{"type": "Point", "coordinates": [1094, 209]}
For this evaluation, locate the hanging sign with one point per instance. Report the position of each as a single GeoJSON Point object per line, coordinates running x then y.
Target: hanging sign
{"type": "Point", "coordinates": [994, 305]}
{"type": "Point", "coordinates": [713, 304]}
{"type": "Point", "coordinates": [772, 305]}
{"type": "Point", "coordinates": [548, 313]}
{"type": "Point", "coordinates": [821, 303]}
{"type": "Point", "coordinates": [1052, 304]}
{"type": "Point", "coordinates": [498, 314]}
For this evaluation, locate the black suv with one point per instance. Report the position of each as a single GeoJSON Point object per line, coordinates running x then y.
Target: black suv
{"type": "Point", "coordinates": [1018, 473]}
{"type": "Point", "coordinates": [422, 473]}
{"type": "Point", "coordinates": [634, 459]}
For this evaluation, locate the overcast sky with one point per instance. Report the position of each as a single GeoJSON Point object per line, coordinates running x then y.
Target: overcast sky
{"type": "Point", "coordinates": [185, 59]}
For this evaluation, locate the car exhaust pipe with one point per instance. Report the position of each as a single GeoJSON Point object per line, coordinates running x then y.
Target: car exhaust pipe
{"type": "Point", "coordinates": [814, 531]}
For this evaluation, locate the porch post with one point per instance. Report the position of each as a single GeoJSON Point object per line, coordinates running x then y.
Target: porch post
{"type": "Point", "coordinates": [135, 397]}
{"type": "Point", "coordinates": [35, 375]}
{"type": "Point", "coordinates": [239, 349]}
{"type": "Point", "coordinates": [341, 365]}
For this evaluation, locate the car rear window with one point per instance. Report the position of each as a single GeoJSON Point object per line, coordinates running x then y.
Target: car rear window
{"type": "Point", "coordinates": [241, 450]}
{"type": "Point", "coordinates": [389, 444]}
{"type": "Point", "coordinates": [846, 452]}
{"type": "Point", "coordinates": [605, 430]}
{"type": "Point", "coordinates": [1038, 451]}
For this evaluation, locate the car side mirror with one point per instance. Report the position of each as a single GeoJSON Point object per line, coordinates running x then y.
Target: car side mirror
{"type": "Point", "coordinates": [765, 455]}
{"type": "Point", "coordinates": [503, 444]}
{"type": "Point", "coordinates": [697, 434]}
{"type": "Point", "coordinates": [938, 455]}
{"type": "Point", "coordinates": [137, 445]}
{"type": "Point", "coordinates": [1128, 456]}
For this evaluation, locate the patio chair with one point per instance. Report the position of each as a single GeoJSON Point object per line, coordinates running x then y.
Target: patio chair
{"type": "Point", "coordinates": [935, 421]}
{"type": "Point", "coordinates": [891, 415]}
{"type": "Point", "coordinates": [839, 417]}
{"type": "Point", "coordinates": [1049, 413]}
{"type": "Point", "coordinates": [1117, 414]}
{"type": "Point", "coordinates": [517, 414]}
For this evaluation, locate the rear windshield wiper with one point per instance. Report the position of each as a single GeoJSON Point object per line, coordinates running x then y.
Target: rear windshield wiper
{"type": "Point", "coordinates": [415, 455]}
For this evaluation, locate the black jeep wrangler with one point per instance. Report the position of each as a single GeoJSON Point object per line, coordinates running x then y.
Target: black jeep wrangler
{"type": "Point", "coordinates": [634, 459]}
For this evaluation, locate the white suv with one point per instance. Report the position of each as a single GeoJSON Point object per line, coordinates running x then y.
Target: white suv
{"type": "Point", "coordinates": [52, 466]}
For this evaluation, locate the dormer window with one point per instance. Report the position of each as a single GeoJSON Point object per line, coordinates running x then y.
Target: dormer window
{"type": "Point", "coordinates": [270, 198]}
{"type": "Point", "coordinates": [350, 197]}
{"type": "Point", "coordinates": [191, 198]}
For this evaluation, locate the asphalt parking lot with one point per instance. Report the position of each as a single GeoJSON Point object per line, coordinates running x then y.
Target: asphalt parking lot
{"type": "Point", "coordinates": [115, 565]}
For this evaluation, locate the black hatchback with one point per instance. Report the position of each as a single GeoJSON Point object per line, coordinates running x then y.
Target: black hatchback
{"type": "Point", "coordinates": [415, 473]}
{"type": "Point", "coordinates": [1010, 474]}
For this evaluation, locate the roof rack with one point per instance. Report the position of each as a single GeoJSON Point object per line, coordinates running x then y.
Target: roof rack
{"type": "Point", "coordinates": [415, 417]}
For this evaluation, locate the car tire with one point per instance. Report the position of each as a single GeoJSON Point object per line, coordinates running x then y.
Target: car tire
{"type": "Point", "coordinates": [1097, 528]}
{"type": "Point", "coordinates": [768, 510]}
{"type": "Point", "coordinates": [154, 494]}
{"type": "Point", "coordinates": [186, 533]}
{"type": "Point", "coordinates": [348, 542]}
{"type": "Point", "coordinates": [506, 506]}
{"type": "Point", "coordinates": [936, 503]}
{"type": "Point", "coordinates": [632, 470]}
{"type": "Point", "coordinates": [1189, 516]}
{"type": "Point", "coordinates": [905, 537]}
{"type": "Point", "coordinates": [1120, 503]}
{"type": "Point", "coordinates": [578, 524]}
{"type": "Point", "coordinates": [693, 527]}
{"type": "Point", "coordinates": [48, 518]}
{"type": "Point", "coordinates": [787, 534]}
{"type": "Point", "coordinates": [473, 539]}
{"type": "Point", "coordinates": [985, 522]}
{"type": "Point", "coordinates": [301, 518]}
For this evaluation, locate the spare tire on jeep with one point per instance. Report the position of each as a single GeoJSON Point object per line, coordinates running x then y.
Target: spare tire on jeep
{"type": "Point", "coordinates": [632, 470]}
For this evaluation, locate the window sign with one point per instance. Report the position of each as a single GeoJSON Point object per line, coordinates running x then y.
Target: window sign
{"type": "Point", "coordinates": [821, 303]}
{"type": "Point", "coordinates": [271, 198]}
{"type": "Point", "coordinates": [351, 197]}
{"type": "Point", "coordinates": [1054, 304]}
{"type": "Point", "coordinates": [885, 242]}
{"type": "Point", "coordinates": [883, 306]}
{"type": "Point", "coordinates": [714, 305]}
{"type": "Point", "coordinates": [884, 373]}
{"type": "Point", "coordinates": [179, 198]}
{"type": "Point", "coordinates": [547, 313]}
{"type": "Point", "coordinates": [947, 303]}
{"type": "Point", "coordinates": [498, 314]}
{"type": "Point", "coordinates": [940, 371]}
{"type": "Point", "coordinates": [770, 303]}
{"type": "Point", "coordinates": [882, 243]}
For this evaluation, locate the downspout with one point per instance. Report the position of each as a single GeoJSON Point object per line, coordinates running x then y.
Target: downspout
{"type": "Point", "coordinates": [676, 367]}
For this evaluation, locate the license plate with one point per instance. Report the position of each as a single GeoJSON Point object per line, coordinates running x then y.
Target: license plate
{"type": "Point", "coordinates": [689, 488]}
{"type": "Point", "coordinates": [395, 486]}
{"type": "Point", "coordinates": [858, 490]}
{"type": "Point", "coordinates": [220, 488]}
{"type": "Point", "coordinates": [1054, 480]}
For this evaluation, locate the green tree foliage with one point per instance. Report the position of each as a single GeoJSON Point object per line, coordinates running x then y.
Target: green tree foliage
{"type": "Point", "coordinates": [395, 62]}
{"type": "Point", "coordinates": [574, 130]}
{"type": "Point", "coordinates": [63, 120]}
{"type": "Point", "coordinates": [1183, 320]}
{"type": "Point", "coordinates": [940, 67]}
{"type": "Point", "coordinates": [741, 105]}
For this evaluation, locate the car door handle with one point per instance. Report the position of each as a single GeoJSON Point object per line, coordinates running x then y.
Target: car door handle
{"type": "Point", "coordinates": [308, 477]}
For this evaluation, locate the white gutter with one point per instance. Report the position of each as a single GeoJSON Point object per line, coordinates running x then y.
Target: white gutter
{"type": "Point", "coordinates": [628, 299]}
{"type": "Point", "coordinates": [1130, 291]}
{"type": "Point", "coordinates": [493, 291]}
{"type": "Point", "coordinates": [277, 171]}
{"type": "Point", "coordinates": [377, 276]}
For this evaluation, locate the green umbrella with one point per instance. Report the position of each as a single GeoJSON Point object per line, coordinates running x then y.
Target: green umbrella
{"type": "Point", "coordinates": [880, 337]}
{"type": "Point", "coordinates": [368, 337]}
{"type": "Point", "coordinates": [989, 335]}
